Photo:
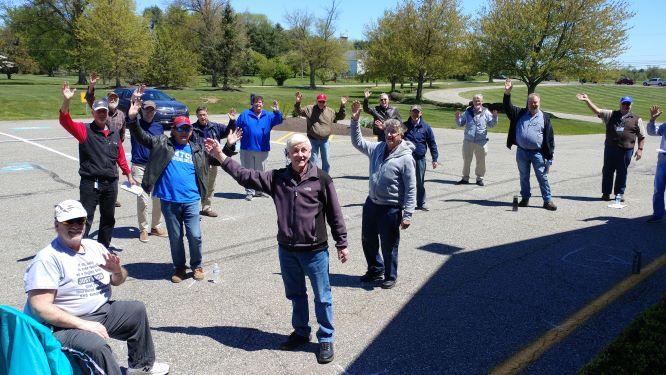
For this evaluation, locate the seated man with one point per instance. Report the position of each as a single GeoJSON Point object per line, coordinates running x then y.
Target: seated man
{"type": "Point", "coordinates": [69, 289]}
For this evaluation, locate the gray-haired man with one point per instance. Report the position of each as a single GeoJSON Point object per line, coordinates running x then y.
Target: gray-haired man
{"type": "Point", "coordinates": [380, 113]}
{"type": "Point", "coordinates": [476, 119]}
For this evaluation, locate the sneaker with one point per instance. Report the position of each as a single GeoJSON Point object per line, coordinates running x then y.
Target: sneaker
{"type": "Point", "coordinates": [159, 232]}
{"type": "Point", "coordinates": [209, 213]}
{"type": "Point", "coordinates": [621, 197]}
{"type": "Point", "coordinates": [524, 202]}
{"type": "Point", "coordinates": [388, 284]}
{"type": "Point", "coordinates": [294, 341]}
{"type": "Point", "coordinates": [550, 206]}
{"type": "Point", "coordinates": [326, 353]}
{"type": "Point", "coordinates": [370, 277]}
{"type": "Point", "coordinates": [117, 204]}
{"type": "Point", "coordinates": [654, 219]}
{"type": "Point", "coordinates": [158, 368]}
{"type": "Point", "coordinates": [179, 275]}
{"type": "Point", "coordinates": [422, 208]}
{"type": "Point", "coordinates": [261, 194]}
{"type": "Point", "coordinates": [605, 197]}
{"type": "Point", "coordinates": [143, 236]}
{"type": "Point", "coordinates": [480, 183]}
{"type": "Point", "coordinates": [462, 182]}
{"type": "Point", "coordinates": [198, 274]}
{"type": "Point", "coordinates": [249, 197]}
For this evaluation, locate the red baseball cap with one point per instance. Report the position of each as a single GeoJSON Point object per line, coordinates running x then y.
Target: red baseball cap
{"type": "Point", "coordinates": [181, 120]}
{"type": "Point", "coordinates": [321, 97]}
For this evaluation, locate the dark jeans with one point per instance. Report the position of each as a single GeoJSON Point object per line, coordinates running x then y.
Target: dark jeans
{"type": "Point", "coordinates": [616, 161]}
{"type": "Point", "coordinates": [105, 196]}
{"type": "Point", "coordinates": [381, 224]}
{"type": "Point", "coordinates": [420, 182]}
{"type": "Point", "coordinates": [124, 320]}
{"type": "Point", "coordinates": [294, 265]}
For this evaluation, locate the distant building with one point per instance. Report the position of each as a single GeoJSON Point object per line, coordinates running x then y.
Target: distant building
{"type": "Point", "coordinates": [354, 62]}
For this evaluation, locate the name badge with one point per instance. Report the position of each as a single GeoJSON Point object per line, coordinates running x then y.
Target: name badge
{"type": "Point", "coordinates": [619, 129]}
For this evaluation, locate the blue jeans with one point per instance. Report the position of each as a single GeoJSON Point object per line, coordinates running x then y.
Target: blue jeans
{"type": "Point", "coordinates": [294, 265]}
{"type": "Point", "coordinates": [381, 224]}
{"type": "Point", "coordinates": [525, 158]}
{"type": "Point", "coordinates": [616, 160]}
{"type": "Point", "coordinates": [320, 151]}
{"type": "Point", "coordinates": [420, 182]}
{"type": "Point", "coordinates": [175, 215]}
{"type": "Point", "coordinates": [659, 186]}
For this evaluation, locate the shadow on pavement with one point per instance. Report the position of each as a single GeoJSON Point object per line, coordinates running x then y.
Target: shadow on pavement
{"type": "Point", "coordinates": [350, 281]}
{"type": "Point", "coordinates": [482, 202]}
{"type": "Point", "coordinates": [360, 178]}
{"type": "Point", "coordinates": [578, 198]}
{"type": "Point", "coordinates": [227, 195]}
{"type": "Point", "coordinates": [248, 339]}
{"type": "Point", "coordinates": [149, 271]}
{"type": "Point", "coordinates": [445, 182]}
{"type": "Point", "coordinates": [482, 306]}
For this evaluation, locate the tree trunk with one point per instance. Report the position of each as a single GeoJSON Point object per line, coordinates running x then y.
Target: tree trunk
{"type": "Point", "coordinates": [82, 78]}
{"type": "Point", "coordinates": [117, 78]}
{"type": "Point", "coordinates": [430, 85]}
{"type": "Point", "coordinates": [213, 79]}
{"type": "Point", "coordinates": [313, 84]}
{"type": "Point", "coordinates": [531, 87]}
{"type": "Point", "coordinates": [393, 85]}
{"type": "Point", "coordinates": [9, 75]}
{"type": "Point", "coordinates": [419, 87]}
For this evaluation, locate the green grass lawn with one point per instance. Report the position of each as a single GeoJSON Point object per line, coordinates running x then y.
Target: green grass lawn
{"type": "Point", "coordinates": [38, 97]}
{"type": "Point", "coordinates": [563, 98]}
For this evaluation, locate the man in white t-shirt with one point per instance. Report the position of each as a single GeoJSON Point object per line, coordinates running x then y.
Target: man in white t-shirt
{"type": "Point", "coordinates": [69, 288]}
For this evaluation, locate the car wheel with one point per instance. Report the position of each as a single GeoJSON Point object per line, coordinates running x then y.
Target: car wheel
{"type": "Point", "coordinates": [645, 84]}
{"type": "Point", "coordinates": [660, 84]}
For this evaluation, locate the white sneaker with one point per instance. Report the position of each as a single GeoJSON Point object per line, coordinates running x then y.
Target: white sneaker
{"type": "Point", "coordinates": [158, 368]}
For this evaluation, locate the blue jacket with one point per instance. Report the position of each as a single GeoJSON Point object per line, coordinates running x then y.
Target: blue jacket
{"type": "Point", "coordinates": [422, 137]}
{"type": "Point", "coordinates": [213, 130]}
{"type": "Point", "coordinates": [257, 130]}
{"type": "Point", "coordinates": [140, 153]}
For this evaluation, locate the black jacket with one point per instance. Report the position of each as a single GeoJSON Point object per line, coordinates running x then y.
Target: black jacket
{"type": "Point", "coordinates": [382, 114]}
{"type": "Point", "coordinates": [161, 152]}
{"type": "Point", "coordinates": [514, 113]}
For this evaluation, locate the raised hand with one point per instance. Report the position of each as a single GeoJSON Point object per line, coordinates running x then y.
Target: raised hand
{"type": "Point", "coordinates": [67, 93]}
{"type": "Point", "coordinates": [508, 85]}
{"type": "Point", "coordinates": [495, 113]}
{"type": "Point", "coordinates": [366, 93]}
{"type": "Point", "coordinates": [213, 147]}
{"type": "Point", "coordinates": [276, 106]}
{"type": "Point", "coordinates": [138, 92]}
{"type": "Point", "coordinates": [356, 110]}
{"type": "Point", "coordinates": [379, 124]}
{"type": "Point", "coordinates": [234, 136]}
{"type": "Point", "coordinates": [344, 100]}
{"type": "Point", "coordinates": [134, 108]}
{"type": "Point", "coordinates": [93, 78]}
{"type": "Point", "coordinates": [299, 96]}
{"type": "Point", "coordinates": [655, 112]}
{"type": "Point", "coordinates": [457, 115]}
{"type": "Point", "coordinates": [582, 97]}
{"type": "Point", "coordinates": [111, 264]}
{"type": "Point", "coordinates": [232, 114]}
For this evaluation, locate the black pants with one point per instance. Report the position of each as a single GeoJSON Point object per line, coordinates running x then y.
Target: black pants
{"type": "Point", "coordinates": [380, 225]}
{"type": "Point", "coordinates": [124, 320]}
{"type": "Point", "coordinates": [105, 194]}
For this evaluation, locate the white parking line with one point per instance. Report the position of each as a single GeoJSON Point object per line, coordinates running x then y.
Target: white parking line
{"type": "Point", "coordinates": [40, 146]}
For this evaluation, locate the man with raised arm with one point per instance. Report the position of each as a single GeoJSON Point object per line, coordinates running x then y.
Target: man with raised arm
{"type": "Point", "coordinates": [660, 173]}
{"type": "Point", "coordinates": [100, 149]}
{"type": "Point", "coordinates": [380, 113]}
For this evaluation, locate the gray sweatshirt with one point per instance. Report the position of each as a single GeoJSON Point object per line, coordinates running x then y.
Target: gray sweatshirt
{"type": "Point", "coordinates": [392, 180]}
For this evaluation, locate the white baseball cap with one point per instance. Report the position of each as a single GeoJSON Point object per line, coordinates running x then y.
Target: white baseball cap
{"type": "Point", "coordinates": [69, 209]}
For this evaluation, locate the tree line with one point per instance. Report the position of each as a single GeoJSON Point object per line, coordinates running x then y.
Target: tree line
{"type": "Point", "coordinates": [416, 41]}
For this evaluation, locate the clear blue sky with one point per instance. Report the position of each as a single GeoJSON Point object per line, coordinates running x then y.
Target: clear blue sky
{"type": "Point", "coordinates": [645, 38]}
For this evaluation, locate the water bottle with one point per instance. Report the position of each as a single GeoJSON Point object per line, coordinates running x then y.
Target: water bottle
{"type": "Point", "coordinates": [618, 199]}
{"type": "Point", "coordinates": [216, 273]}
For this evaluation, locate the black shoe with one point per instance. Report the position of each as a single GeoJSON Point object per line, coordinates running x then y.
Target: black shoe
{"type": "Point", "coordinates": [388, 284]}
{"type": "Point", "coordinates": [524, 202]}
{"type": "Point", "coordinates": [370, 277]}
{"type": "Point", "coordinates": [480, 183]}
{"type": "Point", "coordinates": [326, 353]}
{"type": "Point", "coordinates": [118, 204]}
{"type": "Point", "coordinates": [462, 182]}
{"type": "Point", "coordinates": [605, 197]}
{"type": "Point", "coordinates": [294, 341]}
{"type": "Point", "coordinates": [550, 206]}
{"type": "Point", "coordinates": [422, 208]}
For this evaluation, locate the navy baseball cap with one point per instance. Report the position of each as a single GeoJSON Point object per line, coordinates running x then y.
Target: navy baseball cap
{"type": "Point", "coordinates": [626, 99]}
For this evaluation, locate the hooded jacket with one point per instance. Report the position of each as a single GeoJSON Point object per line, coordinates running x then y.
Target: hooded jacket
{"type": "Point", "coordinates": [392, 180]}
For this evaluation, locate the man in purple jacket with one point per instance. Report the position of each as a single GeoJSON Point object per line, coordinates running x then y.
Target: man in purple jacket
{"type": "Point", "coordinates": [303, 195]}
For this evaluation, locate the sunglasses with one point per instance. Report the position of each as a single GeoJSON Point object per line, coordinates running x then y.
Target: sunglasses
{"type": "Point", "coordinates": [383, 99]}
{"type": "Point", "coordinates": [76, 220]}
{"type": "Point", "coordinates": [182, 128]}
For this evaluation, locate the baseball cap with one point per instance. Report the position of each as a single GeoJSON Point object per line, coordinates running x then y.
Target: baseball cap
{"type": "Point", "coordinates": [416, 106]}
{"type": "Point", "coordinates": [321, 97]}
{"type": "Point", "coordinates": [100, 104]}
{"type": "Point", "coordinates": [111, 93]}
{"type": "Point", "coordinates": [69, 209]}
{"type": "Point", "coordinates": [626, 99]}
{"type": "Point", "coordinates": [149, 103]}
{"type": "Point", "coordinates": [181, 120]}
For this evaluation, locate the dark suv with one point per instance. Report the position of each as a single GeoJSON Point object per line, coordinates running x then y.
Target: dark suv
{"type": "Point", "coordinates": [167, 107]}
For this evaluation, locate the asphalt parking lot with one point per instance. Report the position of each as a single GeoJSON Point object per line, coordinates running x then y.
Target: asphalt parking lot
{"type": "Point", "coordinates": [477, 282]}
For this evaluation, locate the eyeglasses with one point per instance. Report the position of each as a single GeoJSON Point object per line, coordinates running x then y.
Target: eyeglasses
{"type": "Point", "coordinates": [182, 128]}
{"type": "Point", "coordinates": [76, 220]}
{"type": "Point", "coordinates": [382, 99]}
{"type": "Point", "coordinates": [149, 109]}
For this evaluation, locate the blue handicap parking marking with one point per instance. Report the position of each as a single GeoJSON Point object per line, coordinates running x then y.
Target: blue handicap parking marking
{"type": "Point", "coordinates": [17, 167]}
{"type": "Point", "coordinates": [22, 128]}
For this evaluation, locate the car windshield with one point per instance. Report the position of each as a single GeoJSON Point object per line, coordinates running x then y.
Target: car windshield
{"type": "Point", "coordinates": [154, 95]}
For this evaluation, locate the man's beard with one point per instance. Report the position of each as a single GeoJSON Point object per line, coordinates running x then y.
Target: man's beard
{"type": "Point", "coordinates": [113, 106]}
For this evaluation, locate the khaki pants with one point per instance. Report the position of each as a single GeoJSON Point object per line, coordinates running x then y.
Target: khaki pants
{"type": "Point", "coordinates": [142, 202]}
{"type": "Point", "coordinates": [210, 188]}
{"type": "Point", "coordinates": [253, 160]}
{"type": "Point", "coordinates": [470, 149]}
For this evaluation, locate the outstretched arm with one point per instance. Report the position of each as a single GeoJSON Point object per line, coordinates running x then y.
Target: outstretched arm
{"type": "Point", "coordinates": [583, 97]}
{"type": "Point", "coordinates": [77, 129]}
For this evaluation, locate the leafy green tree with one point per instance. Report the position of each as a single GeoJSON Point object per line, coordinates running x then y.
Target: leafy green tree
{"type": "Point", "coordinates": [281, 71]}
{"type": "Point", "coordinates": [531, 40]}
{"type": "Point", "coordinates": [231, 47]}
{"type": "Point", "coordinates": [388, 53]}
{"type": "Point", "coordinates": [153, 15]}
{"type": "Point", "coordinates": [114, 40]}
{"type": "Point", "coordinates": [265, 67]}
{"type": "Point", "coordinates": [171, 64]}
{"type": "Point", "coordinates": [264, 37]}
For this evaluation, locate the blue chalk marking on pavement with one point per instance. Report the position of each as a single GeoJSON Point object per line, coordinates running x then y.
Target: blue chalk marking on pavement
{"type": "Point", "coordinates": [18, 167]}
{"type": "Point", "coordinates": [31, 128]}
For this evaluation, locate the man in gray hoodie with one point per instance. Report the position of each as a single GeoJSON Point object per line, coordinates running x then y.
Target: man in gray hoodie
{"type": "Point", "coordinates": [391, 199]}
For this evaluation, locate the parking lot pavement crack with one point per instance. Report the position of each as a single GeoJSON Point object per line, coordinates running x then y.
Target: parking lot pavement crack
{"type": "Point", "coordinates": [54, 176]}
